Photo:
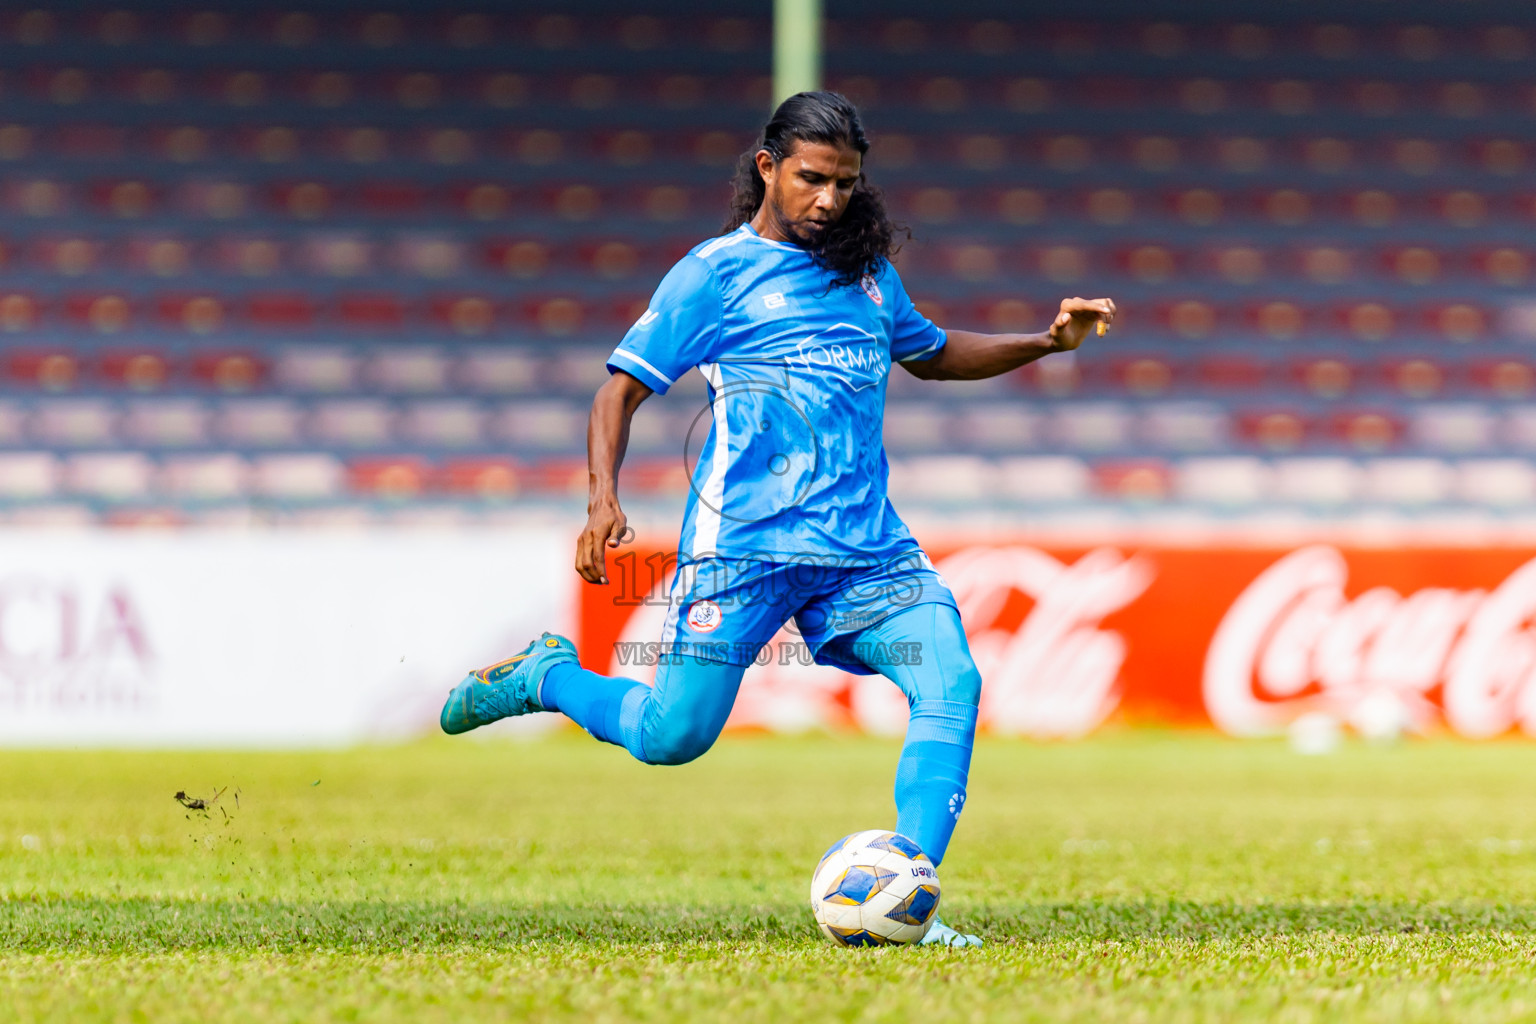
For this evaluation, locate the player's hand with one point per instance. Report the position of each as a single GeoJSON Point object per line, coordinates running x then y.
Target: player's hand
{"type": "Point", "coordinates": [1076, 319]}
{"type": "Point", "coordinates": [607, 527]}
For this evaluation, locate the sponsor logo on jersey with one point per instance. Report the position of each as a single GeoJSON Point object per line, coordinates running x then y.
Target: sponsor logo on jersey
{"type": "Point", "coordinates": [704, 616]}
{"type": "Point", "coordinates": [849, 353]}
{"type": "Point", "coordinates": [775, 300]}
{"type": "Point", "coordinates": [872, 290]}
{"type": "Point", "coordinates": [647, 318]}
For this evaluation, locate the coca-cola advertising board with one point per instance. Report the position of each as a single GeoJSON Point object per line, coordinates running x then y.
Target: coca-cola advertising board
{"type": "Point", "coordinates": [1419, 639]}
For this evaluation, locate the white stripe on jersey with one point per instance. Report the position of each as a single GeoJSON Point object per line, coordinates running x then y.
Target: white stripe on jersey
{"type": "Point", "coordinates": [706, 515]}
{"type": "Point", "coordinates": [619, 353]}
{"type": "Point", "coordinates": [924, 352]}
{"type": "Point", "coordinates": [736, 237]}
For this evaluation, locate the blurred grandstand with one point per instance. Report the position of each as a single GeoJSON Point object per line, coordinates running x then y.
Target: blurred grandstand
{"type": "Point", "coordinates": [361, 263]}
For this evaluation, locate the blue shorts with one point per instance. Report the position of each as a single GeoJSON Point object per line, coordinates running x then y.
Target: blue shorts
{"type": "Point", "coordinates": [726, 610]}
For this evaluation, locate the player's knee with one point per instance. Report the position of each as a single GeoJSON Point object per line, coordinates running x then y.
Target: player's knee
{"type": "Point", "coordinates": [965, 686]}
{"type": "Point", "coordinates": [675, 746]}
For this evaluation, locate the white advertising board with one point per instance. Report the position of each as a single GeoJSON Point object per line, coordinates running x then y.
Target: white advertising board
{"type": "Point", "coordinates": [287, 639]}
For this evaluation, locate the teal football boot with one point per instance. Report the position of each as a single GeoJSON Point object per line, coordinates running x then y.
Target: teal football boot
{"type": "Point", "coordinates": [506, 688]}
{"type": "Point", "coordinates": [941, 934]}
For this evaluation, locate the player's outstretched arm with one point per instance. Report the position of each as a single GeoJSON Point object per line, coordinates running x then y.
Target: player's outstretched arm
{"type": "Point", "coordinates": [970, 356]}
{"type": "Point", "coordinates": [607, 438]}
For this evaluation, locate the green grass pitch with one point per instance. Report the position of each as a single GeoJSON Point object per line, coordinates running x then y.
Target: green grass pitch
{"type": "Point", "coordinates": [1136, 876]}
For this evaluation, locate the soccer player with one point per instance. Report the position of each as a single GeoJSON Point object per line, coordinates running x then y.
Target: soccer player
{"type": "Point", "coordinates": [795, 317]}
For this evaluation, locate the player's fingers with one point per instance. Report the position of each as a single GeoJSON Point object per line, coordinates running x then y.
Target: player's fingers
{"type": "Point", "coordinates": [589, 559]}
{"type": "Point", "coordinates": [619, 533]}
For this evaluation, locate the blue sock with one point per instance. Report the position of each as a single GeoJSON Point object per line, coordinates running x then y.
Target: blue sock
{"type": "Point", "coordinates": [931, 775]}
{"type": "Point", "coordinates": [592, 701]}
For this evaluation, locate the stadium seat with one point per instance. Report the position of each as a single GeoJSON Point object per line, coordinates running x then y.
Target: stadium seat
{"type": "Point", "coordinates": [48, 369]}
{"type": "Point", "coordinates": [1498, 482]}
{"type": "Point", "coordinates": [173, 423]}
{"type": "Point", "coordinates": [917, 427]}
{"type": "Point", "coordinates": [480, 477]}
{"type": "Point", "coordinates": [395, 478]}
{"type": "Point", "coordinates": [1315, 481]}
{"type": "Point", "coordinates": [205, 477]}
{"type": "Point", "coordinates": [1139, 480]}
{"type": "Point", "coordinates": [443, 424]}
{"type": "Point", "coordinates": [113, 476]}
{"type": "Point", "coordinates": [1406, 481]}
{"type": "Point", "coordinates": [944, 478]}
{"type": "Point", "coordinates": [498, 371]}
{"type": "Point", "coordinates": [75, 422]}
{"type": "Point", "coordinates": [298, 477]}
{"type": "Point", "coordinates": [229, 371]}
{"type": "Point", "coordinates": [260, 422]}
{"type": "Point", "coordinates": [1091, 426]}
{"type": "Point", "coordinates": [541, 424]}
{"type": "Point", "coordinates": [316, 369]}
{"type": "Point", "coordinates": [29, 475]}
{"type": "Point", "coordinates": [351, 423]}
{"type": "Point", "coordinates": [1232, 480]}
{"type": "Point", "coordinates": [1186, 426]}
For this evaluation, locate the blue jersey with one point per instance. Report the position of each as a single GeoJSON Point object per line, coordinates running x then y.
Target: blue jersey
{"type": "Point", "coordinates": [790, 454]}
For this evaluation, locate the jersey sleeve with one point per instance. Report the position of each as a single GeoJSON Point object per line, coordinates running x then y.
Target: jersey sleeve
{"type": "Point", "coordinates": [913, 336]}
{"type": "Point", "coordinates": [679, 330]}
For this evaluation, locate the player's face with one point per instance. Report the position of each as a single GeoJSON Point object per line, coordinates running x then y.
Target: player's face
{"type": "Point", "coordinates": [807, 192]}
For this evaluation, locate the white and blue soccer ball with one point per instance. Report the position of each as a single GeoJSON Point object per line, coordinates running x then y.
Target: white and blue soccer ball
{"type": "Point", "coordinates": [875, 888]}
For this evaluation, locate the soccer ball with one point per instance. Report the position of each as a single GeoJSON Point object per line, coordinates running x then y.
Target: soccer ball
{"type": "Point", "coordinates": [874, 888]}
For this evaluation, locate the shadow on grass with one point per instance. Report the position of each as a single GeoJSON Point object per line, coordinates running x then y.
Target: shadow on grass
{"type": "Point", "coordinates": [49, 924]}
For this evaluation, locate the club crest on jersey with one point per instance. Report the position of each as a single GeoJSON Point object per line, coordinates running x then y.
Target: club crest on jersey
{"type": "Point", "coordinates": [872, 290]}
{"type": "Point", "coordinates": [704, 616]}
{"type": "Point", "coordinates": [849, 353]}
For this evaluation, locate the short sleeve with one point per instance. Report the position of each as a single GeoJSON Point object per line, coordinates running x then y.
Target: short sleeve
{"type": "Point", "coordinates": [679, 330]}
{"type": "Point", "coordinates": [913, 336]}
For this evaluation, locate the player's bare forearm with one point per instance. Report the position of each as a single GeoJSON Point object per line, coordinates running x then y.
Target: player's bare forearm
{"type": "Point", "coordinates": [607, 438]}
{"type": "Point", "coordinates": [968, 355]}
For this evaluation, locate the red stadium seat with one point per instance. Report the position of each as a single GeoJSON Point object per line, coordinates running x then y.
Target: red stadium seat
{"type": "Point", "coordinates": [392, 197]}
{"type": "Point", "coordinates": [1366, 430]}
{"type": "Point", "coordinates": [198, 314]}
{"type": "Point", "coordinates": [667, 477]}
{"type": "Point", "coordinates": [137, 369]}
{"type": "Point", "coordinates": [229, 371]}
{"type": "Point", "coordinates": [1418, 378]}
{"type": "Point", "coordinates": [563, 476]}
{"type": "Point", "coordinates": [1506, 378]}
{"type": "Point", "coordinates": [1145, 376]}
{"type": "Point", "coordinates": [396, 478]}
{"type": "Point", "coordinates": [1277, 320]}
{"type": "Point", "coordinates": [481, 477]}
{"type": "Point", "coordinates": [372, 311]}
{"type": "Point", "coordinates": [468, 315]}
{"type": "Point", "coordinates": [1133, 480]}
{"type": "Point", "coordinates": [1458, 321]}
{"type": "Point", "coordinates": [524, 258]}
{"type": "Point", "coordinates": [102, 313]}
{"type": "Point", "coordinates": [280, 310]}
{"type": "Point", "coordinates": [1275, 430]}
{"type": "Point", "coordinates": [1324, 378]}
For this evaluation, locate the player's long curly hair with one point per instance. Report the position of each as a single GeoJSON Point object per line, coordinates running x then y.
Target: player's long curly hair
{"type": "Point", "coordinates": [865, 237]}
